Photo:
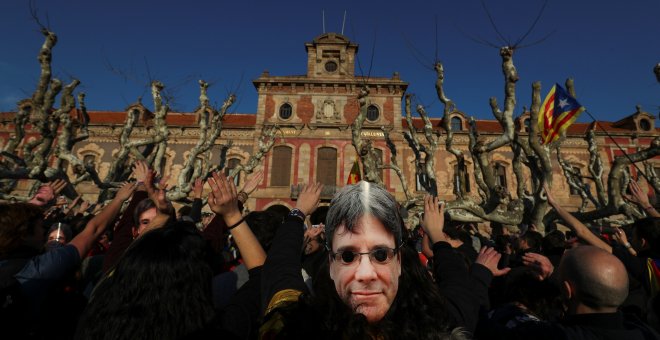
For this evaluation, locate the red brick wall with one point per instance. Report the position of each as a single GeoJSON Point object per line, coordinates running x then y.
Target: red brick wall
{"type": "Point", "coordinates": [305, 108]}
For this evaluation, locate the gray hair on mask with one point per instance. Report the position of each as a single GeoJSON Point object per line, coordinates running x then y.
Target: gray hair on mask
{"type": "Point", "coordinates": [364, 198]}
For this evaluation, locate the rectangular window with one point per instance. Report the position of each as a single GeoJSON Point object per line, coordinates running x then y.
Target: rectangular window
{"type": "Point", "coordinates": [461, 179]}
{"type": "Point", "coordinates": [326, 166]}
{"type": "Point", "coordinates": [281, 166]}
{"type": "Point", "coordinates": [500, 175]}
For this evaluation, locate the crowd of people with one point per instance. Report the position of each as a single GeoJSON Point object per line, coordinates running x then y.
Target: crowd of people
{"type": "Point", "coordinates": [134, 268]}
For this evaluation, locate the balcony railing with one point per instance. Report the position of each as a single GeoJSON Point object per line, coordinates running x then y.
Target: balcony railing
{"type": "Point", "coordinates": [327, 192]}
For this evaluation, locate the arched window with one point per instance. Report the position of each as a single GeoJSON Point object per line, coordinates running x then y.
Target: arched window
{"type": "Point", "coordinates": [500, 175]}
{"type": "Point", "coordinates": [645, 124]}
{"type": "Point", "coordinates": [231, 164]}
{"type": "Point", "coordinates": [526, 124]}
{"type": "Point", "coordinates": [89, 159]}
{"type": "Point", "coordinates": [280, 171]}
{"type": "Point", "coordinates": [456, 124]}
{"type": "Point", "coordinates": [286, 111]}
{"type": "Point", "coordinates": [373, 113]}
{"type": "Point", "coordinates": [326, 166]}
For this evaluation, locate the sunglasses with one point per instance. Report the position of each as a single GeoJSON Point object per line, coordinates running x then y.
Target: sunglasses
{"type": "Point", "coordinates": [380, 255]}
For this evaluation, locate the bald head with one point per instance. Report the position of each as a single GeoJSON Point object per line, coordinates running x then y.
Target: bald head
{"type": "Point", "coordinates": [598, 279]}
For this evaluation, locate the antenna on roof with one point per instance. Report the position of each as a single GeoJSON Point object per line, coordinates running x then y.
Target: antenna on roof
{"type": "Point", "coordinates": [343, 23]}
{"type": "Point", "coordinates": [323, 14]}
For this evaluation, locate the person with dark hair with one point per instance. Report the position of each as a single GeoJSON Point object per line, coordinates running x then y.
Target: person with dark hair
{"type": "Point", "coordinates": [262, 225]}
{"type": "Point", "coordinates": [37, 276]}
{"type": "Point", "coordinates": [145, 205]}
{"type": "Point", "coordinates": [280, 212]}
{"type": "Point", "coordinates": [59, 233]}
{"type": "Point", "coordinates": [373, 288]}
{"type": "Point", "coordinates": [530, 241]}
{"type": "Point", "coordinates": [461, 240]}
{"type": "Point", "coordinates": [161, 288]}
{"type": "Point", "coordinates": [553, 246]}
{"type": "Point", "coordinates": [593, 285]}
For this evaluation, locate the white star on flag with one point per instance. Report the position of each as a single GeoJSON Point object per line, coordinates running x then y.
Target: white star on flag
{"type": "Point", "coordinates": [563, 102]}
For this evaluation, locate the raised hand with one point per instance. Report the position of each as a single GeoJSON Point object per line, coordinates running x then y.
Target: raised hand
{"type": "Point", "coordinates": [620, 237]}
{"type": "Point", "coordinates": [198, 188]}
{"type": "Point", "coordinates": [125, 191]}
{"type": "Point", "coordinates": [251, 184]}
{"type": "Point", "coordinates": [84, 205]}
{"type": "Point", "coordinates": [638, 196]}
{"type": "Point", "coordinates": [434, 219]}
{"type": "Point", "coordinates": [73, 204]}
{"type": "Point", "coordinates": [57, 185]}
{"type": "Point", "coordinates": [541, 265]}
{"type": "Point", "coordinates": [141, 171]}
{"type": "Point", "coordinates": [43, 196]}
{"type": "Point", "coordinates": [548, 194]}
{"type": "Point", "coordinates": [309, 198]}
{"type": "Point", "coordinates": [158, 195]}
{"type": "Point", "coordinates": [489, 258]}
{"type": "Point", "coordinates": [223, 198]}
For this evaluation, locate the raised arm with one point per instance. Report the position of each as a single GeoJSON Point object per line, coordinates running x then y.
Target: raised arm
{"type": "Point", "coordinates": [465, 290]}
{"type": "Point", "coordinates": [196, 209]}
{"type": "Point", "coordinates": [639, 197]}
{"type": "Point", "coordinates": [578, 227]}
{"type": "Point", "coordinates": [281, 273]}
{"type": "Point", "coordinates": [434, 219]}
{"type": "Point", "coordinates": [223, 200]}
{"type": "Point", "coordinates": [96, 226]}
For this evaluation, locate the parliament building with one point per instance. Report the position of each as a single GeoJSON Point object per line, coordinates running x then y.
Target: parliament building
{"type": "Point", "coordinates": [315, 111]}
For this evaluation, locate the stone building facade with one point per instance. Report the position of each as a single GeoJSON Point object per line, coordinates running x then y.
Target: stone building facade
{"type": "Point", "coordinates": [314, 112]}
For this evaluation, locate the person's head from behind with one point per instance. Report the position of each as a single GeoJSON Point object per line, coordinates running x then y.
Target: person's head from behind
{"type": "Point", "coordinates": [161, 288]}
{"type": "Point", "coordinates": [554, 243]}
{"type": "Point", "coordinates": [530, 240]}
{"type": "Point", "coordinates": [646, 235]}
{"type": "Point", "coordinates": [21, 224]}
{"type": "Point", "coordinates": [592, 280]}
{"type": "Point", "coordinates": [144, 212]}
{"type": "Point", "coordinates": [457, 232]}
{"type": "Point", "coordinates": [363, 236]}
{"type": "Point", "coordinates": [263, 225]}
{"type": "Point", "coordinates": [183, 212]}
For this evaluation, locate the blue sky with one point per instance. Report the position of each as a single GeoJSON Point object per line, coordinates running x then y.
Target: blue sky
{"type": "Point", "coordinates": [609, 47]}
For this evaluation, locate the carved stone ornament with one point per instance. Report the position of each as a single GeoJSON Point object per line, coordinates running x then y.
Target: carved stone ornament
{"type": "Point", "coordinates": [327, 111]}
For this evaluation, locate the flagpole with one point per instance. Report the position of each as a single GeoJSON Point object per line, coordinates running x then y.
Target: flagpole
{"type": "Point", "coordinates": [620, 148]}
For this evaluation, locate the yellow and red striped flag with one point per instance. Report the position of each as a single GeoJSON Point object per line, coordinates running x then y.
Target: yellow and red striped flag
{"type": "Point", "coordinates": [558, 112]}
{"type": "Point", "coordinates": [354, 177]}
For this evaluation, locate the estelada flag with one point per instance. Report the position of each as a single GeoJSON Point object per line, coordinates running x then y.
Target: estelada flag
{"type": "Point", "coordinates": [354, 177]}
{"type": "Point", "coordinates": [558, 112]}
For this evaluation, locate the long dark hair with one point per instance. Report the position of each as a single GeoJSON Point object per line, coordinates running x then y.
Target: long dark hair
{"type": "Point", "coordinates": [161, 289]}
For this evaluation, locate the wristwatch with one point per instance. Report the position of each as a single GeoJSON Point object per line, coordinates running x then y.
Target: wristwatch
{"type": "Point", "coordinates": [295, 212]}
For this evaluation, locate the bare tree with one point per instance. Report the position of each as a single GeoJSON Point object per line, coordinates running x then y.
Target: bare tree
{"type": "Point", "coordinates": [60, 129]}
